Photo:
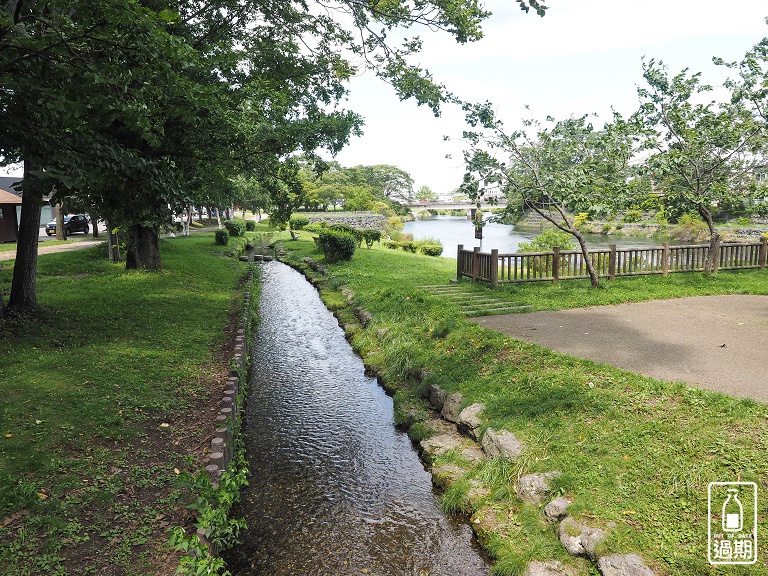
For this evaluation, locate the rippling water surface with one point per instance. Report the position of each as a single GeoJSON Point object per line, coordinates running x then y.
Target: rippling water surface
{"type": "Point", "coordinates": [335, 488]}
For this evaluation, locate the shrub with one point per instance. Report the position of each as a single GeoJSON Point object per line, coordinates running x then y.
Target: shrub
{"type": "Point", "coordinates": [336, 245]}
{"type": "Point", "coordinates": [631, 216]}
{"type": "Point", "coordinates": [580, 219]}
{"type": "Point", "coordinates": [690, 229]}
{"type": "Point", "coordinates": [315, 227]}
{"type": "Point", "coordinates": [548, 239]}
{"type": "Point", "coordinates": [341, 227]}
{"type": "Point", "coordinates": [371, 236]}
{"type": "Point", "coordinates": [744, 221]}
{"type": "Point", "coordinates": [235, 227]}
{"type": "Point", "coordinates": [299, 221]}
{"type": "Point", "coordinates": [430, 246]}
{"type": "Point", "coordinates": [409, 246]}
{"type": "Point", "coordinates": [250, 225]}
{"type": "Point", "coordinates": [222, 237]}
{"type": "Point", "coordinates": [431, 249]}
{"type": "Point", "coordinates": [391, 244]}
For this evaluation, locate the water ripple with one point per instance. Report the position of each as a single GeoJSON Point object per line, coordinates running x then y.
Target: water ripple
{"type": "Point", "coordinates": [335, 488]}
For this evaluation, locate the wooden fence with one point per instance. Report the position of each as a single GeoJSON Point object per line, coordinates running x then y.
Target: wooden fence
{"type": "Point", "coordinates": [608, 263]}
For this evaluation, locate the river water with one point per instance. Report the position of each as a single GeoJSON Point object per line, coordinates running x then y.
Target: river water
{"type": "Point", "coordinates": [455, 230]}
{"type": "Point", "coordinates": [335, 488]}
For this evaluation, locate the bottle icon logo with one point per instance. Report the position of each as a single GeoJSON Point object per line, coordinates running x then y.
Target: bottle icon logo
{"type": "Point", "coordinates": [733, 512]}
{"type": "Point", "coordinates": [732, 523]}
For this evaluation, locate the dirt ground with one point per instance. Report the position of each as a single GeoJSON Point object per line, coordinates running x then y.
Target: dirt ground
{"type": "Point", "coordinates": [715, 342]}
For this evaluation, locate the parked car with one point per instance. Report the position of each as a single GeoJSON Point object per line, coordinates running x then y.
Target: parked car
{"type": "Point", "coordinates": [72, 223]}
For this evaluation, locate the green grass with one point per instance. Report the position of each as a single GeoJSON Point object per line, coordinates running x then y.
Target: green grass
{"type": "Point", "coordinates": [84, 388]}
{"type": "Point", "coordinates": [636, 454]}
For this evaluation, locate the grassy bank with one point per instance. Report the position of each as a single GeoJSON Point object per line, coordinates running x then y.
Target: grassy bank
{"type": "Point", "coordinates": [105, 398]}
{"type": "Point", "coordinates": [635, 454]}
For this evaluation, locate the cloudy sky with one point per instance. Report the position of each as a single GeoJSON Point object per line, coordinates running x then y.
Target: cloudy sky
{"type": "Point", "coordinates": [584, 56]}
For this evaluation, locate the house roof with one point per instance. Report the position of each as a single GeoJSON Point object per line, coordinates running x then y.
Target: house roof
{"type": "Point", "coordinates": [9, 198]}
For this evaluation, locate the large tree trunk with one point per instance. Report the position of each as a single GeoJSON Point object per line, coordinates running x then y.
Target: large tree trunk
{"type": "Point", "coordinates": [143, 248]}
{"type": "Point", "coordinates": [714, 241]}
{"type": "Point", "coordinates": [24, 284]}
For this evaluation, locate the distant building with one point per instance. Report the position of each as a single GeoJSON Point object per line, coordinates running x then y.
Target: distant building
{"type": "Point", "coordinates": [7, 185]}
{"type": "Point", "coordinates": [9, 216]}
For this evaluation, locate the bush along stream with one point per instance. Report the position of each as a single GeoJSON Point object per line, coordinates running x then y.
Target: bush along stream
{"type": "Point", "coordinates": [564, 466]}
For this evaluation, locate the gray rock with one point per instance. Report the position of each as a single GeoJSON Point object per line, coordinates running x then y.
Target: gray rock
{"type": "Point", "coordinates": [452, 406]}
{"type": "Point", "coordinates": [579, 539]}
{"type": "Point", "coordinates": [556, 510]}
{"type": "Point", "coordinates": [436, 396]}
{"type": "Point", "coordinates": [502, 444]}
{"type": "Point", "coordinates": [439, 444]}
{"type": "Point", "coordinates": [549, 568]}
{"type": "Point", "coordinates": [469, 420]}
{"type": "Point", "coordinates": [533, 487]}
{"type": "Point", "coordinates": [623, 565]}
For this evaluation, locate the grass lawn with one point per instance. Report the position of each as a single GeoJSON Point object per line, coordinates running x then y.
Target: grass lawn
{"type": "Point", "coordinates": [105, 396]}
{"type": "Point", "coordinates": [635, 454]}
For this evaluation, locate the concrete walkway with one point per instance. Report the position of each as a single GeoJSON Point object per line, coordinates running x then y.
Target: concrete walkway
{"type": "Point", "coordinates": [715, 342]}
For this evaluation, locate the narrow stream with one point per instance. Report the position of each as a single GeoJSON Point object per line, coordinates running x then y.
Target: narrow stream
{"type": "Point", "coordinates": [335, 489]}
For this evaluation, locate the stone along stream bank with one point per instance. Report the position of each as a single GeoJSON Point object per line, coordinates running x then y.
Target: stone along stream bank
{"type": "Point", "coordinates": [335, 489]}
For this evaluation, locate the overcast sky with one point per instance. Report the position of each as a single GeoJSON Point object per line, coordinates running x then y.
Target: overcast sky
{"type": "Point", "coordinates": [584, 56]}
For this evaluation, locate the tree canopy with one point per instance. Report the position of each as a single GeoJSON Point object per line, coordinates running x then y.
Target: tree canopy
{"type": "Point", "coordinates": [138, 108]}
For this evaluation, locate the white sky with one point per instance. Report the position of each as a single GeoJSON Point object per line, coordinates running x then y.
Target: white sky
{"type": "Point", "coordinates": [584, 56]}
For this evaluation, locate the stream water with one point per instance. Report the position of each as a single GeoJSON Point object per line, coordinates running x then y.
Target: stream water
{"type": "Point", "coordinates": [335, 488]}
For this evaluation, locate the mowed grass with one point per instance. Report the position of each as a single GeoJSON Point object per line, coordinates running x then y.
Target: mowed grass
{"type": "Point", "coordinates": [635, 454]}
{"type": "Point", "coordinates": [111, 356]}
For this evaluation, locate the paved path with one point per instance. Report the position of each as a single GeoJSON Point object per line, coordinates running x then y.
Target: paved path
{"type": "Point", "coordinates": [714, 342]}
{"type": "Point", "coordinates": [75, 243]}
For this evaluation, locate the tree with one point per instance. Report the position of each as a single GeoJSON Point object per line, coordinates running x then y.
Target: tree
{"type": "Point", "coordinates": [389, 182]}
{"type": "Point", "coordinates": [425, 193]}
{"type": "Point", "coordinates": [704, 153]}
{"type": "Point", "coordinates": [546, 169]}
{"type": "Point", "coordinates": [358, 198]}
{"type": "Point", "coordinates": [138, 108]}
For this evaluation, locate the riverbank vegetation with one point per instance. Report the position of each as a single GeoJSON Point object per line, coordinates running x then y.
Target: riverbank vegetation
{"type": "Point", "coordinates": [106, 400]}
{"type": "Point", "coordinates": [635, 454]}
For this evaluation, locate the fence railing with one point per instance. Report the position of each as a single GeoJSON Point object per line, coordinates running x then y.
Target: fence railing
{"type": "Point", "coordinates": [608, 263]}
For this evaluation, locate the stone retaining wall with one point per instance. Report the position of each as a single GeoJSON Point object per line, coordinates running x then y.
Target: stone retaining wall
{"type": "Point", "coordinates": [359, 221]}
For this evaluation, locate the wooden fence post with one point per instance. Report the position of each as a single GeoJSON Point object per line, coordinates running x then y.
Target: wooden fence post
{"type": "Point", "coordinates": [475, 263]}
{"type": "Point", "coordinates": [494, 269]}
{"type": "Point", "coordinates": [459, 269]}
{"type": "Point", "coordinates": [555, 264]}
{"type": "Point", "coordinates": [612, 262]}
{"type": "Point", "coordinates": [665, 259]}
{"type": "Point", "coordinates": [761, 257]}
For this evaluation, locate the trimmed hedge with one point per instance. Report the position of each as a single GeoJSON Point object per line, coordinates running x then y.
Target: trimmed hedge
{"type": "Point", "coordinates": [235, 227]}
{"type": "Point", "coordinates": [250, 225]}
{"type": "Point", "coordinates": [336, 245]}
{"type": "Point", "coordinates": [299, 221]}
{"type": "Point", "coordinates": [222, 237]}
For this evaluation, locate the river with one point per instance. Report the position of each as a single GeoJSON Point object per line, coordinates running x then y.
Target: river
{"type": "Point", "coordinates": [455, 230]}
{"type": "Point", "coordinates": [335, 488]}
